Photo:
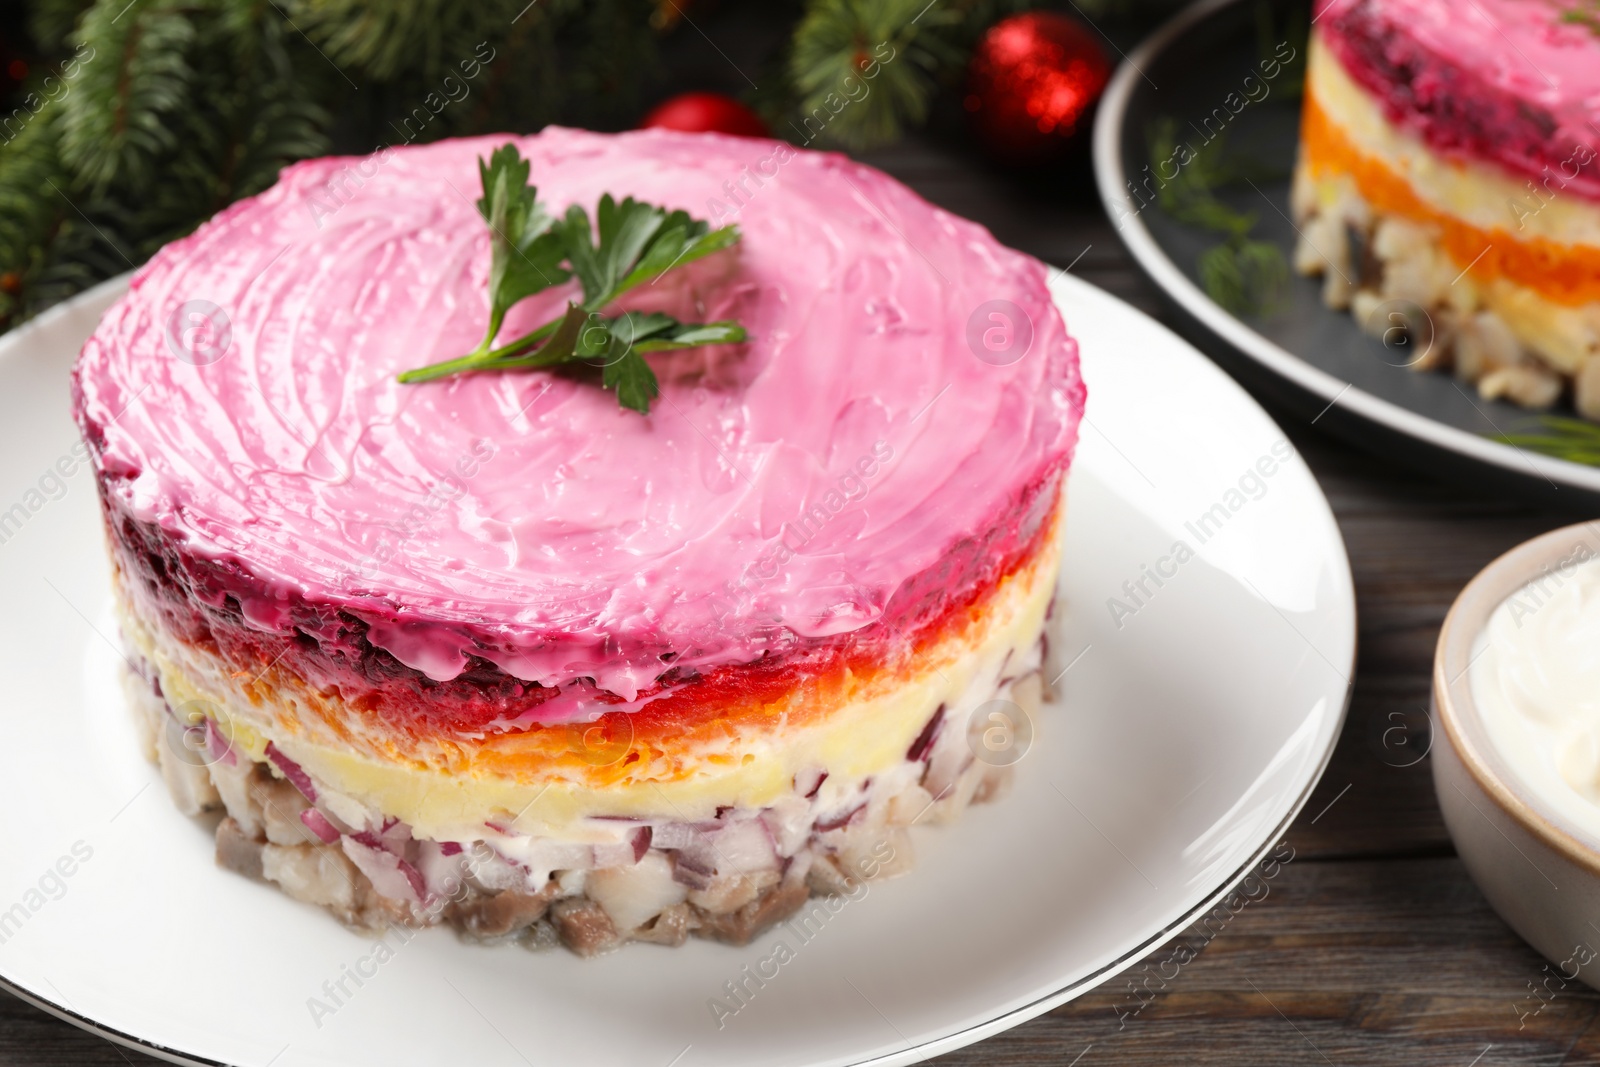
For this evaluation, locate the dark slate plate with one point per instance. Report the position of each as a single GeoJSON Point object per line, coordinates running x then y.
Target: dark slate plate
{"type": "Point", "coordinates": [1314, 361]}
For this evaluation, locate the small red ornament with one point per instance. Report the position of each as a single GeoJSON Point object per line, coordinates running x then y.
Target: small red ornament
{"type": "Point", "coordinates": [706, 113]}
{"type": "Point", "coordinates": [13, 69]}
{"type": "Point", "coordinates": [1031, 83]}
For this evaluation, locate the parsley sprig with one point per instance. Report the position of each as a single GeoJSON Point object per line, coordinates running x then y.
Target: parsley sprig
{"type": "Point", "coordinates": [1585, 13]}
{"type": "Point", "coordinates": [531, 250]}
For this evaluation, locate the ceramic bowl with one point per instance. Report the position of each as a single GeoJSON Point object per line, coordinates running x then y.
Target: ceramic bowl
{"type": "Point", "coordinates": [1539, 870]}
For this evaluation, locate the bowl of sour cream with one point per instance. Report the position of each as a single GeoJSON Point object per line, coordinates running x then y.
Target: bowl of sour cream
{"type": "Point", "coordinates": [1516, 704]}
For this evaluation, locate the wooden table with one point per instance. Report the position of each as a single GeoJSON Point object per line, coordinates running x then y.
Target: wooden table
{"type": "Point", "coordinates": [1372, 945]}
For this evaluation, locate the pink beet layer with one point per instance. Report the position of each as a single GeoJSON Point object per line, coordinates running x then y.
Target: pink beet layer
{"type": "Point", "coordinates": [1514, 83]}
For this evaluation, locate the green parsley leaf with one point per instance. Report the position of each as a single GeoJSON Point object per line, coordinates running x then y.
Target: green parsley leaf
{"type": "Point", "coordinates": [525, 251]}
{"type": "Point", "coordinates": [639, 242]}
{"type": "Point", "coordinates": [618, 346]}
{"type": "Point", "coordinates": [562, 347]}
{"type": "Point", "coordinates": [531, 251]}
{"type": "Point", "coordinates": [692, 335]}
{"type": "Point", "coordinates": [631, 378]}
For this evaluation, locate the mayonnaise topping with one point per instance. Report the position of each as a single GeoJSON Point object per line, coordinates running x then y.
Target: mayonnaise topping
{"type": "Point", "coordinates": [242, 397]}
{"type": "Point", "coordinates": [1535, 678]}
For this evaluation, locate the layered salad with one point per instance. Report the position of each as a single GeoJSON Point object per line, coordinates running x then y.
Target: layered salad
{"type": "Point", "coordinates": [648, 636]}
{"type": "Point", "coordinates": [1448, 186]}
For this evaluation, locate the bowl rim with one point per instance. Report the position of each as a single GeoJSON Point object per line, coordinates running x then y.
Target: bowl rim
{"type": "Point", "coordinates": [1456, 712]}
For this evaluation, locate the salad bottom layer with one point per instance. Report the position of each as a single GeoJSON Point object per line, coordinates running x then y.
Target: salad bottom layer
{"type": "Point", "coordinates": [716, 839]}
{"type": "Point", "coordinates": [658, 880]}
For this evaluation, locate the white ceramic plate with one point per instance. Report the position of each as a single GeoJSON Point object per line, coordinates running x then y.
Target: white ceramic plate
{"type": "Point", "coordinates": [1191, 730]}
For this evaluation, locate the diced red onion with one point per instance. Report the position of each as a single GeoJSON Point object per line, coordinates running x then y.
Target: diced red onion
{"type": "Point", "coordinates": [217, 745]}
{"type": "Point", "coordinates": [382, 869]}
{"type": "Point", "coordinates": [492, 869]}
{"type": "Point", "coordinates": [624, 853]}
{"type": "Point", "coordinates": [787, 827]}
{"type": "Point", "coordinates": [745, 846]}
{"type": "Point", "coordinates": [772, 838]}
{"type": "Point", "coordinates": [419, 885]}
{"type": "Point", "coordinates": [945, 768]}
{"type": "Point", "coordinates": [550, 855]}
{"type": "Point", "coordinates": [676, 835]}
{"type": "Point", "coordinates": [924, 743]}
{"type": "Point", "coordinates": [690, 871]}
{"type": "Point", "coordinates": [394, 836]}
{"type": "Point", "coordinates": [442, 871]}
{"type": "Point", "coordinates": [318, 824]}
{"type": "Point", "coordinates": [835, 821]}
{"type": "Point", "coordinates": [292, 771]}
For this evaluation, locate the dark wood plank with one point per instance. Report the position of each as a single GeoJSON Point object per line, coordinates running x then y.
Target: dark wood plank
{"type": "Point", "coordinates": [1412, 546]}
{"type": "Point", "coordinates": [1371, 962]}
{"type": "Point", "coordinates": [1368, 962]}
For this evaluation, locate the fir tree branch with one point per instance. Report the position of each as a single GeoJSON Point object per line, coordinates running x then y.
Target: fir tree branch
{"type": "Point", "coordinates": [580, 61]}
{"type": "Point", "coordinates": [188, 105]}
{"type": "Point", "coordinates": [264, 76]}
{"type": "Point", "coordinates": [52, 21]}
{"type": "Point", "coordinates": [863, 69]}
{"type": "Point", "coordinates": [54, 240]}
{"type": "Point", "coordinates": [116, 124]}
{"type": "Point", "coordinates": [387, 41]}
{"type": "Point", "coordinates": [28, 164]}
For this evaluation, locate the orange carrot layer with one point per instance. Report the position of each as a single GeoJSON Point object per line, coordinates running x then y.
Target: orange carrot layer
{"type": "Point", "coordinates": [1561, 273]}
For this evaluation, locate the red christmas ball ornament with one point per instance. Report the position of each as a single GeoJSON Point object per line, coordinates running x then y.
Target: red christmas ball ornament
{"type": "Point", "coordinates": [1032, 81]}
{"type": "Point", "coordinates": [702, 112]}
{"type": "Point", "coordinates": [13, 69]}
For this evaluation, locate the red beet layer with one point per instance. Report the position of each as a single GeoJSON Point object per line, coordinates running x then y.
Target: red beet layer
{"type": "Point", "coordinates": [1450, 107]}
{"type": "Point", "coordinates": [196, 600]}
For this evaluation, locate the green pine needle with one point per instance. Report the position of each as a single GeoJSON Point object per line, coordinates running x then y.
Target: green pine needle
{"type": "Point", "coordinates": [118, 123]}
{"type": "Point", "coordinates": [1244, 275]}
{"type": "Point", "coordinates": [863, 69]}
{"type": "Point", "coordinates": [52, 21]}
{"type": "Point", "coordinates": [188, 105]}
{"type": "Point", "coordinates": [1574, 440]}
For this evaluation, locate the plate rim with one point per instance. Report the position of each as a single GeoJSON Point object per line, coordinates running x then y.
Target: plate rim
{"type": "Point", "coordinates": [12, 343]}
{"type": "Point", "coordinates": [1111, 182]}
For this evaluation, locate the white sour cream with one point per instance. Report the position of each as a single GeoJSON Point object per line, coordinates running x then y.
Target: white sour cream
{"type": "Point", "coordinates": [1535, 677]}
